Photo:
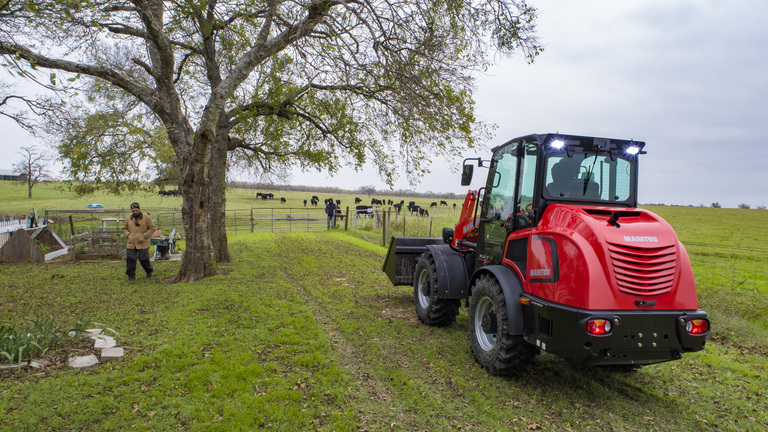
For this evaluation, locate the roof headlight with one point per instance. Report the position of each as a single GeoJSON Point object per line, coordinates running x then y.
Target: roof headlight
{"type": "Point", "coordinates": [557, 144]}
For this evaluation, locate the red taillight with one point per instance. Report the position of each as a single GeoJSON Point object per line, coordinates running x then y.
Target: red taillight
{"type": "Point", "coordinates": [697, 326]}
{"type": "Point", "coordinates": [598, 326]}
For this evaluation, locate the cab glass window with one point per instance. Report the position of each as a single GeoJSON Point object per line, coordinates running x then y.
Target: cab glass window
{"type": "Point", "coordinates": [587, 177]}
{"type": "Point", "coordinates": [501, 183]}
{"type": "Point", "coordinates": [524, 209]}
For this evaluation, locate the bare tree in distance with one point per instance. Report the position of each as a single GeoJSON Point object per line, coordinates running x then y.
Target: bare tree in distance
{"type": "Point", "coordinates": [367, 190]}
{"type": "Point", "coordinates": [34, 167]}
{"type": "Point", "coordinates": [275, 85]}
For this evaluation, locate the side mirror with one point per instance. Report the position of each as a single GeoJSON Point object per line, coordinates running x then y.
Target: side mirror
{"type": "Point", "coordinates": [466, 174]}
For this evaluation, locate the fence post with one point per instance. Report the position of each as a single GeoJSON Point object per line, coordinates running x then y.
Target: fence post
{"type": "Point", "coordinates": [384, 228]}
{"type": "Point", "coordinates": [346, 219]}
{"type": "Point", "coordinates": [251, 219]}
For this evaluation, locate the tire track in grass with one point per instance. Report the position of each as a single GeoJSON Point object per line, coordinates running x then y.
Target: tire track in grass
{"type": "Point", "coordinates": [351, 357]}
{"type": "Point", "coordinates": [328, 286]}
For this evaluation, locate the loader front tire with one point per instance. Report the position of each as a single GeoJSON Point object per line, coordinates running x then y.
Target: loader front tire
{"type": "Point", "coordinates": [499, 352]}
{"type": "Point", "coordinates": [431, 309]}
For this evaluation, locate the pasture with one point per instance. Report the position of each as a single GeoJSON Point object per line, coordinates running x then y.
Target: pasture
{"type": "Point", "coordinates": [305, 332]}
{"type": "Point", "coordinates": [52, 196]}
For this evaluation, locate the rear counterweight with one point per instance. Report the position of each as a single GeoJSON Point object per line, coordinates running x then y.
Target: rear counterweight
{"type": "Point", "coordinates": [635, 337]}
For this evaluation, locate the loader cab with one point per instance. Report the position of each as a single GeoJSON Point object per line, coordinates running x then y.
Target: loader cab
{"type": "Point", "coordinates": [528, 173]}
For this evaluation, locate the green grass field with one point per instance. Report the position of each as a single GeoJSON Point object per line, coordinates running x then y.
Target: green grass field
{"type": "Point", "coordinates": [54, 196]}
{"type": "Point", "coordinates": [305, 332]}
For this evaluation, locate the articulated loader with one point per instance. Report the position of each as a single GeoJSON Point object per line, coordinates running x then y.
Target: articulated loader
{"type": "Point", "coordinates": [553, 255]}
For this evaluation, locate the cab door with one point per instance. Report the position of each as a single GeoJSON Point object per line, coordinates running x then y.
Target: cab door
{"type": "Point", "coordinates": [499, 204]}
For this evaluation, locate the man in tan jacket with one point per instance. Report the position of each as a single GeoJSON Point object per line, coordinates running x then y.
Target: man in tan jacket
{"type": "Point", "coordinates": [138, 227]}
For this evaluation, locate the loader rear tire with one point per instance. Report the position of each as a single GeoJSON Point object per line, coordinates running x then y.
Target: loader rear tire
{"type": "Point", "coordinates": [497, 351]}
{"type": "Point", "coordinates": [431, 309]}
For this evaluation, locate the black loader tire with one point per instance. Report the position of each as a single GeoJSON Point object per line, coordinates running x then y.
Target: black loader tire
{"type": "Point", "coordinates": [430, 309]}
{"type": "Point", "coordinates": [497, 351]}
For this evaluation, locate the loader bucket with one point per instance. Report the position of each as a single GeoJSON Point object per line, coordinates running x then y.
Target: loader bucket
{"type": "Point", "coordinates": [402, 255]}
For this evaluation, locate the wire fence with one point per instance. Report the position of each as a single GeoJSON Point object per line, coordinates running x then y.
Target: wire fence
{"type": "Point", "coordinates": [386, 220]}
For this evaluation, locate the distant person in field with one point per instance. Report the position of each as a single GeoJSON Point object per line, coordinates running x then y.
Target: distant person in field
{"type": "Point", "coordinates": [138, 228]}
{"type": "Point", "coordinates": [330, 210]}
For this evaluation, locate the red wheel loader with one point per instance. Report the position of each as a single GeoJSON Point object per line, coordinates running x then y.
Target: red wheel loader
{"type": "Point", "coordinates": [554, 255]}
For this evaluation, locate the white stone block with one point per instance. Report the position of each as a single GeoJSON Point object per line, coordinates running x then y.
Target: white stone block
{"type": "Point", "coordinates": [13, 366]}
{"type": "Point", "coordinates": [93, 334]}
{"type": "Point", "coordinates": [104, 342]}
{"type": "Point", "coordinates": [83, 361]}
{"type": "Point", "coordinates": [112, 354]}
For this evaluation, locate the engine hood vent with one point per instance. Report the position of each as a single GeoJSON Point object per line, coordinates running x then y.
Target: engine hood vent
{"type": "Point", "coordinates": [645, 271]}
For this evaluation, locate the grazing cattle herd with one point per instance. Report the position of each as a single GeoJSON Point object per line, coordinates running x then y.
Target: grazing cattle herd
{"type": "Point", "coordinates": [174, 192]}
{"type": "Point", "coordinates": [361, 210]}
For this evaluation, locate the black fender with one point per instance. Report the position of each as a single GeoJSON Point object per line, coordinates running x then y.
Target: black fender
{"type": "Point", "coordinates": [451, 272]}
{"type": "Point", "coordinates": [512, 289]}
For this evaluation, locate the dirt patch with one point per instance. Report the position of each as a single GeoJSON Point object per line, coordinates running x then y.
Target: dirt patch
{"type": "Point", "coordinates": [751, 349]}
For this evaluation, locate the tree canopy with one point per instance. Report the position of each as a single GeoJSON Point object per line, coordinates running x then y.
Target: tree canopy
{"type": "Point", "coordinates": [273, 85]}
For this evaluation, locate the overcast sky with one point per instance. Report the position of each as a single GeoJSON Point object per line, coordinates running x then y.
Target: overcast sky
{"type": "Point", "coordinates": [690, 78]}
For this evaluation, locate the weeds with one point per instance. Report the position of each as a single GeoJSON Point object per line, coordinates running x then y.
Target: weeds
{"type": "Point", "coordinates": [36, 340]}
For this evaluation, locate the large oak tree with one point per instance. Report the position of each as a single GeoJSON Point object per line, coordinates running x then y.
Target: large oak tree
{"type": "Point", "coordinates": [275, 84]}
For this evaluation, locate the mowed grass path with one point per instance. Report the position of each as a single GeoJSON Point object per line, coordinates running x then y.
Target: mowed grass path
{"type": "Point", "coordinates": [306, 333]}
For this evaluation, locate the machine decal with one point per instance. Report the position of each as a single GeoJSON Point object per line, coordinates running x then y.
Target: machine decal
{"type": "Point", "coordinates": [641, 239]}
{"type": "Point", "coordinates": [547, 258]}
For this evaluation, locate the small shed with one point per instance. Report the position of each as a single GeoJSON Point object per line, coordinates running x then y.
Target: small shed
{"type": "Point", "coordinates": [32, 244]}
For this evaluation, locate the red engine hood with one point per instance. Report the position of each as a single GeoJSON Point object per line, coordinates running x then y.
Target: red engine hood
{"type": "Point", "coordinates": [635, 263]}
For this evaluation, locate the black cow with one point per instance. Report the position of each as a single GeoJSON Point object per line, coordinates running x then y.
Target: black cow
{"type": "Point", "coordinates": [423, 212]}
{"type": "Point", "coordinates": [338, 202]}
{"type": "Point", "coordinates": [375, 201]}
{"type": "Point", "coordinates": [305, 203]}
{"type": "Point", "coordinates": [358, 200]}
{"type": "Point", "coordinates": [315, 198]}
{"type": "Point", "coordinates": [398, 207]}
{"type": "Point", "coordinates": [411, 203]}
{"type": "Point", "coordinates": [434, 204]}
{"type": "Point", "coordinates": [444, 203]}
{"type": "Point", "coordinates": [364, 210]}
{"type": "Point", "coordinates": [282, 200]}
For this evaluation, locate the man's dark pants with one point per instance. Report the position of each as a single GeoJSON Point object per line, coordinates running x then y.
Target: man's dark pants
{"type": "Point", "coordinates": [143, 257]}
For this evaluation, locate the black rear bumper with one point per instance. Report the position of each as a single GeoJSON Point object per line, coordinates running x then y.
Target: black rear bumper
{"type": "Point", "coordinates": [636, 338]}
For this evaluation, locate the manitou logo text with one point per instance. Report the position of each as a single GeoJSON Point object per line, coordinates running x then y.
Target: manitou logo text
{"type": "Point", "coordinates": [643, 239]}
{"type": "Point", "coordinates": [540, 272]}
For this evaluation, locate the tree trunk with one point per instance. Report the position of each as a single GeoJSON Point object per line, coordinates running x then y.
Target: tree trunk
{"type": "Point", "coordinates": [198, 261]}
{"type": "Point", "coordinates": [217, 202]}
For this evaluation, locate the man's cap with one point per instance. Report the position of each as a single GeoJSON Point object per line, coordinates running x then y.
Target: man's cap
{"type": "Point", "coordinates": [135, 205]}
